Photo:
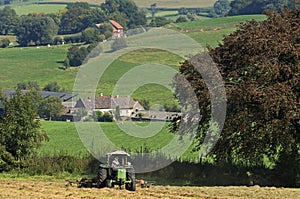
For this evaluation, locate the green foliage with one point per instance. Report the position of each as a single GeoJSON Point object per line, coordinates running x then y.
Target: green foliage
{"type": "Point", "coordinates": [264, 120]}
{"type": "Point", "coordinates": [242, 7]}
{"type": "Point", "coordinates": [54, 87]}
{"type": "Point", "coordinates": [183, 11]}
{"type": "Point", "coordinates": [36, 30]}
{"type": "Point", "coordinates": [75, 5]}
{"type": "Point", "coordinates": [75, 38]}
{"type": "Point", "coordinates": [4, 43]}
{"type": "Point", "coordinates": [50, 107]}
{"type": "Point", "coordinates": [72, 21]}
{"type": "Point", "coordinates": [28, 85]}
{"type": "Point", "coordinates": [76, 55]}
{"type": "Point", "coordinates": [8, 20]}
{"type": "Point", "coordinates": [91, 35]}
{"type": "Point", "coordinates": [106, 30]}
{"type": "Point", "coordinates": [192, 17]}
{"type": "Point", "coordinates": [80, 16]}
{"type": "Point", "coordinates": [221, 7]}
{"type": "Point", "coordinates": [20, 132]}
{"type": "Point", "coordinates": [7, 161]}
{"type": "Point", "coordinates": [125, 12]}
{"type": "Point", "coordinates": [103, 116]}
{"type": "Point", "coordinates": [159, 21]}
{"type": "Point", "coordinates": [181, 19]}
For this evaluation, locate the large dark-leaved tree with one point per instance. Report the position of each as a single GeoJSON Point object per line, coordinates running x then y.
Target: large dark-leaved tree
{"type": "Point", "coordinates": [260, 67]}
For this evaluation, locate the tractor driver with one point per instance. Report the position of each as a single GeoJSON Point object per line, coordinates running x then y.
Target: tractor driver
{"type": "Point", "coordinates": [115, 163]}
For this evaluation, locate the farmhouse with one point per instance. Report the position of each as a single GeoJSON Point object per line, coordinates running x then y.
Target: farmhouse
{"type": "Point", "coordinates": [126, 105]}
{"type": "Point", "coordinates": [118, 30]}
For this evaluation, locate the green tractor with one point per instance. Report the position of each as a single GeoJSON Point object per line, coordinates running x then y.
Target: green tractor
{"type": "Point", "coordinates": [121, 173]}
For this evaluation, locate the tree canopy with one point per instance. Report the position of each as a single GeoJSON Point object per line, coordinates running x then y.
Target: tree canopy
{"type": "Point", "coordinates": [8, 20]}
{"type": "Point", "coordinates": [241, 7]}
{"type": "Point", "coordinates": [20, 132]}
{"type": "Point", "coordinates": [125, 12]}
{"type": "Point", "coordinates": [36, 29]}
{"type": "Point", "coordinates": [260, 66]}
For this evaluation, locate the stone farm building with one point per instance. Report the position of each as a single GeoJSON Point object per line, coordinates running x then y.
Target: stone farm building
{"type": "Point", "coordinates": [127, 106]}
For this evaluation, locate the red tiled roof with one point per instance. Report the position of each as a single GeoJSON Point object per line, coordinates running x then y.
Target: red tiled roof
{"type": "Point", "coordinates": [115, 24]}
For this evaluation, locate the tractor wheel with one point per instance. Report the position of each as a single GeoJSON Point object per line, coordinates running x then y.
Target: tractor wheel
{"type": "Point", "coordinates": [132, 185]}
{"type": "Point", "coordinates": [108, 183]}
{"type": "Point", "coordinates": [102, 175]}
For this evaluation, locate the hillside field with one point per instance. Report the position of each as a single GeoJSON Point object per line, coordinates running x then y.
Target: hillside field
{"type": "Point", "coordinates": [28, 188]}
{"type": "Point", "coordinates": [43, 64]}
{"type": "Point", "coordinates": [160, 3]}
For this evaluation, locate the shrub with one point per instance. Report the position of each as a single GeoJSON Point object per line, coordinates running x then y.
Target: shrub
{"type": "Point", "coordinates": [4, 43]}
{"type": "Point", "coordinates": [181, 19]}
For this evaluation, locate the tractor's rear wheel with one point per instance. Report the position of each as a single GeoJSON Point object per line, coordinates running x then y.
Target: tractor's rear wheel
{"type": "Point", "coordinates": [132, 185]}
{"type": "Point", "coordinates": [102, 175]}
{"type": "Point", "coordinates": [109, 183]}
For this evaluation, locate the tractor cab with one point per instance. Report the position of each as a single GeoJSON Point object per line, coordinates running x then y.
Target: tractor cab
{"type": "Point", "coordinates": [122, 156]}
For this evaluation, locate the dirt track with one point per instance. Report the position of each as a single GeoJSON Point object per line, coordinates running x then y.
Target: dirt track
{"type": "Point", "coordinates": [33, 189]}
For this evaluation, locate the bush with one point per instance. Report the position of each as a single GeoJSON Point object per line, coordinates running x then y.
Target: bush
{"type": "Point", "coordinates": [90, 35]}
{"type": "Point", "coordinates": [159, 21]}
{"type": "Point", "coordinates": [72, 39]}
{"type": "Point", "coordinates": [57, 40]}
{"type": "Point", "coordinates": [103, 116]}
{"type": "Point", "coordinates": [181, 19]}
{"type": "Point", "coordinates": [4, 43]}
{"type": "Point", "coordinates": [7, 161]}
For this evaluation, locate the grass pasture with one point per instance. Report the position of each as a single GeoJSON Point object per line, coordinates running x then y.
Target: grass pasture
{"type": "Point", "coordinates": [37, 8]}
{"type": "Point", "coordinates": [222, 22]}
{"type": "Point", "coordinates": [212, 31]}
{"type": "Point", "coordinates": [156, 94]}
{"type": "Point", "coordinates": [41, 64]}
{"type": "Point", "coordinates": [64, 138]}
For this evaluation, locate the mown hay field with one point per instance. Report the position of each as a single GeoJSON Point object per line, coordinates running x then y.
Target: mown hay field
{"type": "Point", "coordinates": [25, 188]}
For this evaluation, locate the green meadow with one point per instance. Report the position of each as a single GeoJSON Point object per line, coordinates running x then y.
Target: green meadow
{"type": "Point", "coordinates": [40, 64]}
{"type": "Point", "coordinates": [220, 23]}
{"type": "Point", "coordinates": [64, 139]}
{"type": "Point", "coordinates": [37, 8]}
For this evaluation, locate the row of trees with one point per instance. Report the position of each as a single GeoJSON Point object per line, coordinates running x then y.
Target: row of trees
{"type": "Point", "coordinates": [260, 66]}
{"type": "Point", "coordinates": [40, 28]}
{"type": "Point", "coordinates": [242, 7]}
